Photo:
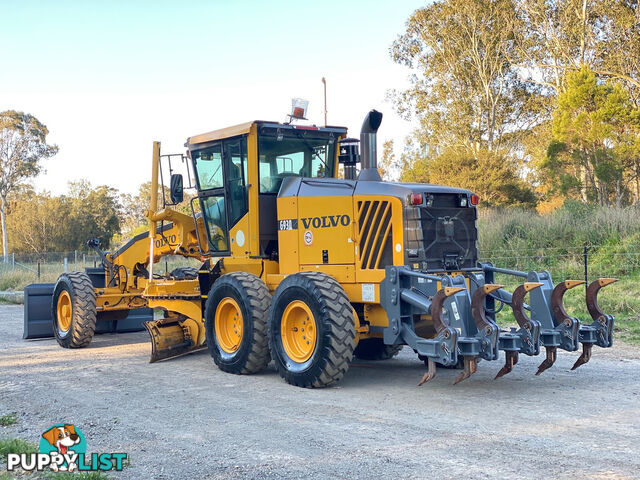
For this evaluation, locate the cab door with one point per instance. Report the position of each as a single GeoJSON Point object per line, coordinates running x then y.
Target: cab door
{"type": "Point", "coordinates": [209, 170]}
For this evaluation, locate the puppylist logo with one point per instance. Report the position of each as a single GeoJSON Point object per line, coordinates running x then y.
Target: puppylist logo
{"type": "Point", "coordinates": [63, 448]}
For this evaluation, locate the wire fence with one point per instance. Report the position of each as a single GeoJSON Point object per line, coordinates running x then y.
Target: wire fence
{"type": "Point", "coordinates": [21, 269]}
{"type": "Point", "coordinates": [576, 262]}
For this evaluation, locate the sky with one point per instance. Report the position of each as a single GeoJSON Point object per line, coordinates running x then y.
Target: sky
{"type": "Point", "coordinates": [109, 78]}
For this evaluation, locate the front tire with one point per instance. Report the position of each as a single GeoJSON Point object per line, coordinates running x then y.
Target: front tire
{"type": "Point", "coordinates": [236, 323]}
{"type": "Point", "coordinates": [311, 330]}
{"type": "Point", "coordinates": [74, 310]}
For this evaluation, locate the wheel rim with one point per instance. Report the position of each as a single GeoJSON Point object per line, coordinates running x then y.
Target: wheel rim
{"type": "Point", "coordinates": [64, 311]}
{"type": "Point", "coordinates": [229, 325]}
{"type": "Point", "coordinates": [298, 331]}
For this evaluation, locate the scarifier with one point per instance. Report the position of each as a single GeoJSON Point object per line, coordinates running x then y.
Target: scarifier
{"type": "Point", "coordinates": [310, 270]}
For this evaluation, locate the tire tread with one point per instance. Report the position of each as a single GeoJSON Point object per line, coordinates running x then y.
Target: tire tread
{"type": "Point", "coordinates": [84, 312]}
{"type": "Point", "coordinates": [341, 332]}
{"type": "Point", "coordinates": [257, 297]}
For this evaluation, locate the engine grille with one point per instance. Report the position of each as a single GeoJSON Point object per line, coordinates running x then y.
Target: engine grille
{"type": "Point", "coordinates": [374, 234]}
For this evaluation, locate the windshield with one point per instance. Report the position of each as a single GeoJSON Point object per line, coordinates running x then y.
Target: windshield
{"type": "Point", "coordinates": [295, 153]}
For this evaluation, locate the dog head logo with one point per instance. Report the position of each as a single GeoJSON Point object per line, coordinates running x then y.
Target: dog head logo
{"type": "Point", "coordinates": [63, 448]}
{"type": "Point", "coordinates": [64, 442]}
{"type": "Point", "coordinates": [62, 437]}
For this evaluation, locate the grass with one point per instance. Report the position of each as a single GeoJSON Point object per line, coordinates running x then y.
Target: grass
{"type": "Point", "coordinates": [573, 225]}
{"type": "Point", "coordinates": [57, 476]}
{"type": "Point", "coordinates": [16, 445]}
{"type": "Point", "coordinates": [10, 301]}
{"type": "Point", "coordinates": [18, 279]}
{"type": "Point", "coordinates": [8, 420]}
{"type": "Point", "coordinates": [77, 476]}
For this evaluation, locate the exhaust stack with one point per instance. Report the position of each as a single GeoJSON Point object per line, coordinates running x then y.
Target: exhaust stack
{"type": "Point", "coordinates": [368, 140]}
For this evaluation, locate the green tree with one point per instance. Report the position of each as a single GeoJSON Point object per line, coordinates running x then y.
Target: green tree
{"type": "Point", "coordinates": [486, 173]}
{"type": "Point", "coordinates": [44, 223]}
{"type": "Point", "coordinates": [23, 145]}
{"type": "Point", "coordinates": [595, 151]}
{"type": "Point", "coordinates": [464, 91]}
{"type": "Point", "coordinates": [472, 107]}
{"type": "Point", "coordinates": [94, 212]}
{"type": "Point", "coordinates": [558, 36]}
{"type": "Point", "coordinates": [388, 166]}
{"type": "Point", "coordinates": [134, 209]}
{"type": "Point", "coordinates": [38, 223]}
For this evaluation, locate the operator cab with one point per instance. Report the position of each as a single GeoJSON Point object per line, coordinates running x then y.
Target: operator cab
{"type": "Point", "coordinates": [237, 166]}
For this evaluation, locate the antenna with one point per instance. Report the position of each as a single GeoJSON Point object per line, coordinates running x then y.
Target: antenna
{"type": "Point", "coordinates": [324, 82]}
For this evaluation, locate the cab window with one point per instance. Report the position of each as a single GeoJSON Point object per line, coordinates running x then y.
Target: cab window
{"type": "Point", "coordinates": [216, 221]}
{"type": "Point", "coordinates": [293, 154]}
{"type": "Point", "coordinates": [235, 157]}
{"type": "Point", "coordinates": [208, 163]}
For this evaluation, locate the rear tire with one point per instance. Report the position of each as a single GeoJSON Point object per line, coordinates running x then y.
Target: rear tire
{"type": "Point", "coordinates": [311, 299]}
{"type": "Point", "coordinates": [375, 349]}
{"type": "Point", "coordinates": [236, 323]}
{"type": "Point", "coordinates": [73, 310]}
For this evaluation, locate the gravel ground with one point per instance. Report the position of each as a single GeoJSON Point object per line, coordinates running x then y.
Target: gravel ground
{"type": "Point", "coordinates": [183, 418]}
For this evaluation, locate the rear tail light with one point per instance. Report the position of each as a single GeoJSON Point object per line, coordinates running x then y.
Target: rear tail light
{"type": "Point", "coordinates": [415, 199]}
{"type": "Point", "coordinates": [475, 199]}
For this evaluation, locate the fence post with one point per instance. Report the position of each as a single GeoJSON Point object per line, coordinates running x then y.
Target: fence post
{"type": "Point", "coordinates": [75, 253]}
{"type": "Point", "coordinates": [586, 267]}
{"type": "Point", "coordinates": [166, 266]}
{"type": "Point", "coordinates": [66, 264]}
{"type": "Point", "coordinates": [13, 261]}
{"type": "Point", "coordinates": [84, 259]}
{"type": "Point", "coordinates": [38, 269]}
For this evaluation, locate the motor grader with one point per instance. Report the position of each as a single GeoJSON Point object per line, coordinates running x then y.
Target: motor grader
{"type": "Point", "coordinates": [309, 269]}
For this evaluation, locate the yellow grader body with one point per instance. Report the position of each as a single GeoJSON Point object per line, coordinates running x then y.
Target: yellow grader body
{"type": "Point", "coordinates": [310, 270]}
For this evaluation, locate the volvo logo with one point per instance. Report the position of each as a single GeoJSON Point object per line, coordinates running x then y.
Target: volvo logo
{"type": "Point", "coordinates": [316, 222]}
{"type": "Point", "coordinates": [160, 242]}
{"type": "Point", "coordinates": [326, 221]}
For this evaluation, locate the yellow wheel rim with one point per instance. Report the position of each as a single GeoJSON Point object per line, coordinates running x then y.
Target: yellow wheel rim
{"type": "Point", "coordinates": [63, 311]}
{"type": "Point", "coordinates": [298, 331]}
{"type": "Point", "coordinates": [229, 325]}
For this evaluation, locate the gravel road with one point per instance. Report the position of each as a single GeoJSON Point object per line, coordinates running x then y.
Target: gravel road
{"type": "Point", "coordinates": [183, 418]}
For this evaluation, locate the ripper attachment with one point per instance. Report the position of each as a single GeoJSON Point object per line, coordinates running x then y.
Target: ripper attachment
{"type": "Point", "coordinates": [564, 324]}
{"type": "Point", "coordinates": [600, 331]}
{"type": "Point", "coordinates": [447, 318]}
{"type": "Point", "coordinates": [602, 322]}
{"type": "Point", "coordinates": [444, 332]}
{"type": "Point", "coordinates": [487, 332]}
{"type": "Point", "coordinates": [525, 339]}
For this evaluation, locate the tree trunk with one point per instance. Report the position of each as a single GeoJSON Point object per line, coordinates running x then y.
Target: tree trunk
{"type": "Point", "coordinates": [3, 220]}
{"type": "Point", "coordinates": [619, 193]}
{"type": "Point", "coordinates": [637, 195]}
{"type": "Point", "coordinates": [583, 36]}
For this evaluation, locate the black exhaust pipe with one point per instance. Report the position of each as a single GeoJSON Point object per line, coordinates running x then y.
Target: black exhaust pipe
{"type": "Point", "coordinates": [368, 140]}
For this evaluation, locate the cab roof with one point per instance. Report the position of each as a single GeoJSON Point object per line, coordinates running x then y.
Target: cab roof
{"type": "Point", "coordinates": [244, 128]}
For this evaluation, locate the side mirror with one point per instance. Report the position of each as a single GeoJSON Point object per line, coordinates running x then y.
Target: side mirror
{"type": "Point", "coordinates": [177, 192]}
